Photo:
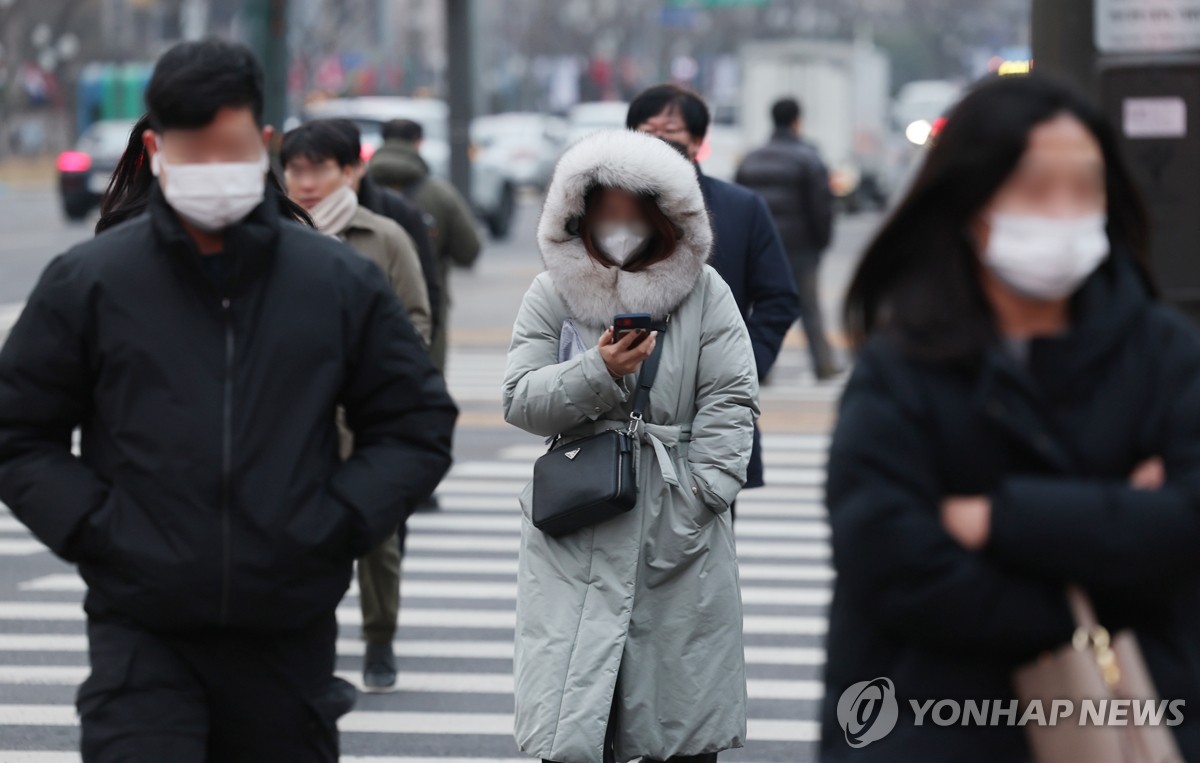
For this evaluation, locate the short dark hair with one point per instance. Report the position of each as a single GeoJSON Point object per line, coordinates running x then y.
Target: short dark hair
{"type": "Point", "coordinates": [655, 100]}
{"type": "Point", "coordinates": [194, 80]}
{"type": "Point", "coordinates": [403, 129]}
{"type": "Point", "coordinates": [786, 112]}
{"type": "Point", "coordinates": [352, 133]}
{"type": "Point", "coordinates": [320, 140]}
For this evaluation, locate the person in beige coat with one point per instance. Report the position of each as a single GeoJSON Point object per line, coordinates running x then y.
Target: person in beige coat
{"type": "Point", "coordinates": [320, 161]}
{"type": "Point", "coordinates": [629, 632]}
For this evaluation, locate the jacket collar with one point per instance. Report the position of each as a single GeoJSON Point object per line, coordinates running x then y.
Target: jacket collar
{"type": "Point", "coordinates": [407, 152]}
{"type": "Point", "coordinates": [784, 135]}
{"type": "Point", "coordinates": [251, 243]}
{"type": "Point", "coordinates": [1018, 399]}
{"type": "Point", "coordinates": [369, 194]}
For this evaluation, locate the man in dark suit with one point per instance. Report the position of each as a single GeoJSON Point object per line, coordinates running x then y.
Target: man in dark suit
{"type": "Point", "coordinates": [747, 250]}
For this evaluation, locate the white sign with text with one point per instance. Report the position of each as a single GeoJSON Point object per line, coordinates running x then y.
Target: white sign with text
{"type": "Point", "coordinates": [1155, 117]}
{"type": "Point", "coordinates": [1144, 26]}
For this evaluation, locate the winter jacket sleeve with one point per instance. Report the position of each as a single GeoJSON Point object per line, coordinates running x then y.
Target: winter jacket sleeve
{"type": "Point", "coordinates": [1106, 535]}
{"type": "Point", "coordinates": [540, 394]}
{"type": "Point", "coordinates": [818, 204]}
{"type": "Point", "coordinates": [771, 289]}
{"type": "Point", "coordinates": [393, 205]}
{"type": "Point", "coordinates": [460, 238]}
{"type": "Point", "coordinates": [44, 396]}
{"type": "Point", "coordinates": [397, 405]}
{"type": "Point", "coordinates": [892, 556]}
{"type": "Point", "coordinates": [408, 282]}
{"type": "Point", "coordinates": [726, 400]}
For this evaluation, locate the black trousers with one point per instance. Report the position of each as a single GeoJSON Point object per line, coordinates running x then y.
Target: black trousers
{"type": "Point", "coordinates": [806, 269]}
{"type": "Point", "coordinates": [214, 698]}
{"type": "Point", "coordinates": [610, 736]}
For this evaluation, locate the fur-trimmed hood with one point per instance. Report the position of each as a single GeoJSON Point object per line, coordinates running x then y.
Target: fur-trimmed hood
{"type": "Point", "coordinates": [640, 164]}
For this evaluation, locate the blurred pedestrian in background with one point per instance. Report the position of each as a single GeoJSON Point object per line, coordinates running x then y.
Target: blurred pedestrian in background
{"type": "Point", "coordinates": [629, 632]}
{"type": "Point", "coordinates": [789, 175]}
{"type": "Point", "coordinates": [398, 165]}
{"type": "Point", "coordinates": [392, 205]}
{"type": "Point", "coordinates": [1023, 415]}
{"type": "Point", "coordinates": [321, 162]}
{"type": "Point", "coordinates": [202, 349]}
{"type": "Point", "coordinates": [747, 251]}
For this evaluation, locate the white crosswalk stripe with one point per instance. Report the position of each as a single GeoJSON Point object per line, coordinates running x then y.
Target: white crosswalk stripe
{"type": "Point", "coordinates": [457, 619]}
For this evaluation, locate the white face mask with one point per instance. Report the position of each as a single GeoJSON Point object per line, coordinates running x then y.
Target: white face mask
{"type": "Point", "coordinates": [620, 241]}
{"type": "Point", "coordinates": [212, 195]}
{"type": "Point", "coordinates": [1045, 257]}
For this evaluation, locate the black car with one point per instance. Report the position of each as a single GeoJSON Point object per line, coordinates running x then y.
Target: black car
{"type": "Point", "coordinates": [83, 174]}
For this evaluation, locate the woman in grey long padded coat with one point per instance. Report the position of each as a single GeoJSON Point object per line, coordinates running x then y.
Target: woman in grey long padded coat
{"type": "Point", "coordinates": [637, 619]}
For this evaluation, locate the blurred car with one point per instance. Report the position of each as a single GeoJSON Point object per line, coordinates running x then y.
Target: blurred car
{"type": "Point", "coordinates": [920, 104]}
{"type": "Point", "coordinates": [84, 173]}
{"type": "Point", "coordinates": [493, 194]}
{"type": "Point", "coordinates": [526, 145]}
{"type": "Point", "coordinates": [587, 118]}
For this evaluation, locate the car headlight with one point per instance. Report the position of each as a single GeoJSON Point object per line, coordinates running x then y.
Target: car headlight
{"type": "Point", "coordinates": [918, 132]}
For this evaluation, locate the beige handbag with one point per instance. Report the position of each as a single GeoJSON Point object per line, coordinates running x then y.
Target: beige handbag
{"type": "Point", "coordinates": [1093, 667]}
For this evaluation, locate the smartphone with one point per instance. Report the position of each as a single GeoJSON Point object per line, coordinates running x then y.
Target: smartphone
{"type": "Point", "coordinates": [627, 322]}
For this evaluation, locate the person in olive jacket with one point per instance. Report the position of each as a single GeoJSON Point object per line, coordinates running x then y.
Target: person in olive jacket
{"type": "Point", "coordinates": [397, 165]}
{"type": "Point", "coordinates": [1024, 415]}
{"type": "Point", "coordinates": [202, 348]}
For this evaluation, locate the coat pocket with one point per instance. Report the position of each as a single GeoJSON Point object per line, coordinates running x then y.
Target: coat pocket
{"type": "Point", "coordinates": [108, 676]}
{"type": "Point", "coordinates": [331, 703]}
{"type": "Point", "coordinates": [689, 486]}
{"type": "Point", "coordinates": [95, 536]}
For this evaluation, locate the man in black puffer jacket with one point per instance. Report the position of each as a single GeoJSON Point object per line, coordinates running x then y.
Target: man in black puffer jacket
{"type": "Point", "coordinates": [203, 348]}
{"type": "Point", "coordinates": [789, 175]}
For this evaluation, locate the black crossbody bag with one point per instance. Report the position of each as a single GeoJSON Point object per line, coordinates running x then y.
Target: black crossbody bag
{"type": "Point", "coordinates": [592, 480]}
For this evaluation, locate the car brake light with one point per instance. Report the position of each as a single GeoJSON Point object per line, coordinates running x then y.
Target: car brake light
{"type": "Point", "coordinates": [367, 152]}
{"type": "Point", "coordinates": [936, 128]}
{"type": "Point", "coordinates": [74, 161]}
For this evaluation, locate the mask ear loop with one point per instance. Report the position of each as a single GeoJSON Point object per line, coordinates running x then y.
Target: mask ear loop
{"type": "Point", "coordinates": [156, 161]}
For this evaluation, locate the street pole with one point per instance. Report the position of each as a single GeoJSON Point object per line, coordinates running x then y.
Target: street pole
{"type": "Point", "coordinates": [460, 86]}
{"type": "Point", "coordinates": [1144, 72]}
{"type": "Point", "coordinates": [266, 28]}
{"type": "Point", "coordinates": [1063, 41]}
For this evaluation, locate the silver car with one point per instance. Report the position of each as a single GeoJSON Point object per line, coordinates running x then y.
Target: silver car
{"type": "Point", "coordinates": [526, 145]}
{"type": "Point", "coordinates": [493, 195]}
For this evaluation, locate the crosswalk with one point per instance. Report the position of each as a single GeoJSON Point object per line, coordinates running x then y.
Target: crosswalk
{"type": "Point", "coordinates": [475, 377]}
{"type": "Point", "coordinates": [454, 699]}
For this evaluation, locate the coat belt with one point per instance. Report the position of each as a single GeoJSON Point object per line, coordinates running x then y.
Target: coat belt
{"type": "Point", "coordinates": [657, 436]}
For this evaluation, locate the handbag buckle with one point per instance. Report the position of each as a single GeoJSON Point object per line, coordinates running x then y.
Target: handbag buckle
{"type": "Point", "coordinates": [1100, 643]}
{"type": "Point", "coordinates": [635, 423]}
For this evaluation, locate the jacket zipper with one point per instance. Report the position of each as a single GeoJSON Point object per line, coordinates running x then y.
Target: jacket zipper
{"type": "Point", "coordinates": [226, 464]}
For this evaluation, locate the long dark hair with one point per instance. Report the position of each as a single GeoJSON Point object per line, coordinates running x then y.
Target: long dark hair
{"type": "Point", "coordinates": [919, 278]}
{"type": "Point", "coordinates": [129, 189]}
{"type": "Point", "coordinates": [664, 234]}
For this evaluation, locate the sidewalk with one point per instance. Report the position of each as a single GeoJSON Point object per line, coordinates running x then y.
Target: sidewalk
{"type": "Point", "coordinates": [28, 173]}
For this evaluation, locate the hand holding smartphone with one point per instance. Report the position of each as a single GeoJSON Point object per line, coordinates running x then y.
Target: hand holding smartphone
{"type": "Point", "coordinates": [642, 323]}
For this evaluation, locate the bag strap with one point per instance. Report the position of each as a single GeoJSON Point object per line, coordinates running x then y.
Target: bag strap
{"type": "Point", "coordinates": [641, 397]}
{"type": "Point", "coordinates": [1082, 610]}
